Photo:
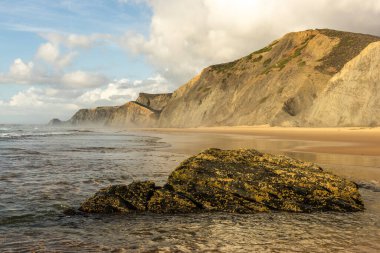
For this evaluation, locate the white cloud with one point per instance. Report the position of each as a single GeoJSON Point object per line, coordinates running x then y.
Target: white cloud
{"type": "Point", "coordinates": [40, 104]}
{"type": "Point", "coordinates": [34, 105]}
{"type": "Point", "coordinates": [26, 98]}
{"type": "Point", "coordinates": [81, 79]}
{"type": "Point", "coordinates": [21, 71]}
{"type": "Point", "coordinates": [48, 52]}
{"type": "Point", "coordinates": [120, 91]}
{"type": "Point", "coordinates": [188, 35]}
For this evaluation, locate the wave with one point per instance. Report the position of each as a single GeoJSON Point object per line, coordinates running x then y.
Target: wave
{"type": "Point", "coordinates": [18, 135]}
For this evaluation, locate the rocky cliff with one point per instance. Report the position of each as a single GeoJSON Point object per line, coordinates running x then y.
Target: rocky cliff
{"type": "Point", "coordinates": [143, 112]}
{"type": "Point", "coordinates": [132, 114]}
{"type": "Point", "coordinates": [97, 116]}
{"type": "Point", "coordinates": [351, 97]}
{"type": "Point", "coordinates": [156, 102]}
{"type": "Point", "coordinates": [311, 78]}
{"type": "Point", "coordinates": [275, 85]}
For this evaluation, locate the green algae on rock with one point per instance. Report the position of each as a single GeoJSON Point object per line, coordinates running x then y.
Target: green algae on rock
{"type": "Point", "coordinates": [250, 181]}
{"type": "Point", "coordinates": [120, 198]}
{"type": "Point", "coordinates": [167, 201]}
{"type": "Point", "coordinates": [239, 181]}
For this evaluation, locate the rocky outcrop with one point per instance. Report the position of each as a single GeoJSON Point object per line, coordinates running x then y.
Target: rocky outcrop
{"type": "Point", "coordinates": [241, 181]}
{"type": "Point", "coordinates": [155, 102]}
{"type": "Point", "coordinates": [96, 116]}
{"type": "Point", "coordinates": [56, 122]}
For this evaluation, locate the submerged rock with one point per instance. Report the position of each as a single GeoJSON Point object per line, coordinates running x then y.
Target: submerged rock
{"type": "Point", "coordinates": [242, 181]}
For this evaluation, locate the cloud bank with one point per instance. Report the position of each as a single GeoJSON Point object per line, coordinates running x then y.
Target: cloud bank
{"type": "Point", "coordinates": [184, 37]}
{"type": "Point", "coordinates": [188, 35]}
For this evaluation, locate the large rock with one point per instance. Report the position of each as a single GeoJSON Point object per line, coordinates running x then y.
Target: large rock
{"type": "Point", "coordinates": [242, 181]}
{"type": "Point", "coordinates": [249, 181]}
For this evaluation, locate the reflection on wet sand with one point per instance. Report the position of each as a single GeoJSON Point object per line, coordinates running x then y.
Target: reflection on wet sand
{"type": "Point", "coordinates": [355, 167]}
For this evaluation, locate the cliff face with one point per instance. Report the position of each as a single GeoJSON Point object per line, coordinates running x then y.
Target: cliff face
{"type": "Point", "coordinates": [352, 97]}
{"type": "Point", "coordinates": [132, 114]}
{"type": "Point", "coordinates": [143, 112]}
{"type": "Point", "coordinates": [97, 116]}
{"type": "Point", "coordinates": [275, 85]}
{"type": "Point", "coordinates": [310, 78]}
{"type": "Point", "coordinates": [155, 102]}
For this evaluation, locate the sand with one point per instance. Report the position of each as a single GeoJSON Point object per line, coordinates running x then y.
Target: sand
{"type": "Point", "coordinates": [350, 141]}
{"type": "Point", "coordinates": [350, 152]}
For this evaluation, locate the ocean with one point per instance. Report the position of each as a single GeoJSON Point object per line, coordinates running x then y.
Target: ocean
{"type": "Point", "coordinates": [47, 170]}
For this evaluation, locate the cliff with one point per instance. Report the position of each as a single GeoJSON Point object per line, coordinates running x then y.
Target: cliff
{"type": "Point", "coordinates": [276, 85]}
{"type": "Point", "coordinates": [310, 78]}
{"type": "Point", "coordinates": [352, 97]}
{"type": "Point", "coordinates": [143, 112]}
{"type": "Point", "coordinates": [132, 114]}
{"type": "Point", "coordinates": [156, 102]}
{"type": "Point", "coordinates": [97, 116]}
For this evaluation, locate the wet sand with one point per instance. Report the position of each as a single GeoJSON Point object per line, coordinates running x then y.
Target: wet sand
{"type": "Point", "coordinates": [350, 152]}
{"type": "Point", "coordinates": [350, 141]}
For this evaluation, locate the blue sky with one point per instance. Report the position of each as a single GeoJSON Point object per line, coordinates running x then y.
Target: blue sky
{"type": "Point", "coordinates": [62, 55]}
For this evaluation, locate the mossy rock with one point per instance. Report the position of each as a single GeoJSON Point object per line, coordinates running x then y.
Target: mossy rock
{"type": "Point", "coordinates": [120, 198]}
{"type": "Point", "coordinates": [167, 201]}
{"type": "Point", "coordinates": [248, 181]}
{"type": "Point", "coordinates": [238, 181]}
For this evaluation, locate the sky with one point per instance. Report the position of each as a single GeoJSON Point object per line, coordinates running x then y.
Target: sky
{"type": "Point", "coordinates": [59, 56]}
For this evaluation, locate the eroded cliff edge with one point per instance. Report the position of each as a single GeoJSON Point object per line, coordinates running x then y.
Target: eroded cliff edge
{"type": "Point", "coordinates": [311, 78]}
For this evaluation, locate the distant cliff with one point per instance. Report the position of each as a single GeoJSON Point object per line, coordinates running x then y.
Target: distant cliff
{"type": "Point", "coordinates": [311, 78]}
{"type": "Point", "coordinates": [97, 116]}
{"type": "Point", "coordinates": [143, 112]}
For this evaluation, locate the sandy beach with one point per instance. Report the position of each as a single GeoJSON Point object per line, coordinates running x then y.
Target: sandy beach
{"type": "Point", "coordinates": [349, 152]}
{"type": "Point", "coordinates": [350, 141]}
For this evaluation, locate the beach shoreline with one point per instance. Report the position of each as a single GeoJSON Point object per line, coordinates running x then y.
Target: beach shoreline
{"type": "Point", "coordinates": [349, 152]}
{"type": "Point", "coordinates": [348, 141]}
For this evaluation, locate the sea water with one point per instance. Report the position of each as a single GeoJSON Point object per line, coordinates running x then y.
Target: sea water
{"type": "Point", "coordinates": [46, 170]}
